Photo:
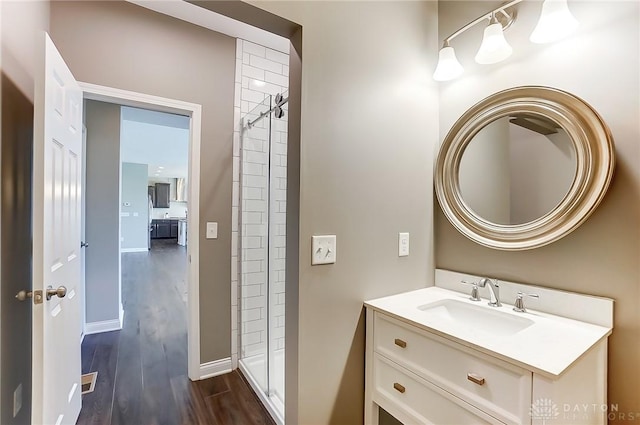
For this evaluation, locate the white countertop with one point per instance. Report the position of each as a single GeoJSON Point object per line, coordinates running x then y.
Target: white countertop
{"type": "Point", "coordinates": [549, 346]}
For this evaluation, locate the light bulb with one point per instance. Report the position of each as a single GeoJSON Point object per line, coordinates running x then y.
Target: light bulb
{"type": "Point", "coordinates": [448, 66]}
{"type": "Point", "coordinates": [556, 22]}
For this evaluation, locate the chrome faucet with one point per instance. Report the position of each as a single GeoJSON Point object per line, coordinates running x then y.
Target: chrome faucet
{"type": "Point", "coordinates": [494, 291]}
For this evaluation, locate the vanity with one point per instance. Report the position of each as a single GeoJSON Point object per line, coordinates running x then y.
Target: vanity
{"type": "Point", "coordinates": [433, 356]}
{"type": "Point", "coordinates": [519, 170]}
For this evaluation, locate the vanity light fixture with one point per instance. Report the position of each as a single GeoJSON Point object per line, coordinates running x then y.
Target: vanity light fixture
{"type": "Point", "coordinates": [494, 47]}
{"type": "Point", "coordinates": [556, 22]}
{"type": "Point", "coordinates": [448, 65]}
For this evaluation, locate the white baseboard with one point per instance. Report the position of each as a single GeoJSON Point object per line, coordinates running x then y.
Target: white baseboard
{"type": "Point", "coordinates": [103, 326]}
{"type": "Point", "coordinates": [145, 249]}
{"type": "Point", "coordinates": [215, 368]}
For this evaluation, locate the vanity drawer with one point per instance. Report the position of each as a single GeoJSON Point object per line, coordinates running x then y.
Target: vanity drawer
{"type": "Point", "coordinates": [416, 401]}
{"type": "Point", "coordinates": [496, 387]}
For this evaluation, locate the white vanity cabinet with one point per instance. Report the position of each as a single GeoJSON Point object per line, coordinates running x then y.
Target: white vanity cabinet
{"type": "Point", "coordinates": [424, 373]}
{"type": "Point", "coordinates": [470, 386]}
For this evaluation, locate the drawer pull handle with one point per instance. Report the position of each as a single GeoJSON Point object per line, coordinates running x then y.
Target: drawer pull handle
{"type": "Point", "coordinates": [399, 388]}
{"type": "Point", "coordinates": [400, 343]}
{"type": "Point", "coordinates": [475, 378]}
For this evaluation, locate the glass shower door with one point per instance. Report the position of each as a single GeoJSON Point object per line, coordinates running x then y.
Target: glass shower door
{"type": "Point", "coordinates": [254, 254]}
{"type": "Point", "coordinates": [263, 183]}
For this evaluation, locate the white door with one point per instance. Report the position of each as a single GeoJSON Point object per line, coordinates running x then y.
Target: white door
{"type": "Point", "coordinates": [56, 242]}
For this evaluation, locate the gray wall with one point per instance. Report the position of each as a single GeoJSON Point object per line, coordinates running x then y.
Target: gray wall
{"type": "Point", "coordinates": [134, 230]}
{"type": "Point", "coordinates": [121, 45]}
{"type": "Point", "coordinates": [22, 23]}
{"type": "Point", "coordinates": [602, 257]}
{"type": "Point", "coordinates": [102, 277]}
{"type": "Point", "coordinates": [368, 133]}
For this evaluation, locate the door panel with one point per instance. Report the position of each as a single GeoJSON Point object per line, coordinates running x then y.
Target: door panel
{"type": "Point", "coordinates": [57, 224]}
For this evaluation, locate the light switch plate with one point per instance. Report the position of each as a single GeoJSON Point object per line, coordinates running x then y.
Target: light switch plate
{"type": "Point", "coordinates": [403, 244]}
{"type": "Point", "coordinates": [212, 230]}
{"type": "Point", "coordinates": [323, 249]}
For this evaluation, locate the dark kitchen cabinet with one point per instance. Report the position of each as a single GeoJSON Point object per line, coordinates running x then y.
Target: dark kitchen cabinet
{"type": "Point", "coordinates": [163, 191]}
{"type": "Point", "coordinates": [174, 229]}
{"type": "Point", "coordinates": [164, 229]}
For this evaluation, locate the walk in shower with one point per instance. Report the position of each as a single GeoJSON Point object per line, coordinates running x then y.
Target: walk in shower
{"type": "Point", "coordinates": [263, 190]}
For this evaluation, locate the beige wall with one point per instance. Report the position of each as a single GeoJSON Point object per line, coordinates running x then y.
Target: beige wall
{"type": "Point", "coordinates": [368, 131]}
{"type": "Point", "coordinates": [601, 65]}
{"type": "Point", "coordinates": [121, 45]}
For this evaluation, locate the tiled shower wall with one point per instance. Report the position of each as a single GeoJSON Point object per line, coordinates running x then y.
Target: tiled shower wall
{"type": "Point", "coordinates": [260, 72]}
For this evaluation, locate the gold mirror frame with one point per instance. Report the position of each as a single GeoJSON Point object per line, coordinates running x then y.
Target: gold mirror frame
{"type": "Point", "coordinates": [591, 140]}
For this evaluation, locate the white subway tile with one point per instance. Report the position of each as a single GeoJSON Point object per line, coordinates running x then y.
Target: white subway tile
{"type": "Point", "coordinates": [254, 279]}
{"type": "Point", "coordinates": [285, 71]}
{"type": "Point", "coordinates": [234, 241]}
{"type": "Point", "coordinates": [234, 222]}
{"type": "Point", "coordinates": [266, 64]}
{"type": "Point", "coordinates": [277, 79]}
{"type": "Point", "coordinates": [236, 144]}
{"type": "Point", "coordinates": [246, 58]}
{"type": "Point", "coordinates": [237, 92]}
{"type": "Point", "coordinates": [254, 230]}
{"type": "Point", "coordinates": [234, 317]}
{"type": "Point", "coordinates": [252, 169]}
{"type": "Point", "coordinates": [276, 56]}
{"type": "Point", "coordinates": [256, 157]}
{"type": "Point", "coordinates": [255, 325]}
{"type": "Point", "coordinates": [254, 49]}
{"type": "Point", "coordinates": [239, 48]}
{"type": "Point", "coordinates": [234, 270]}
{"type": "Point", "coordinates": [252, 193]}
{"type": "Point", "coordinates": [253, 72]}
{"type": "Point", "coordinates": [255, 255]}
{"type": "Point", "coordinates": [252, 96]}
{"type": "Point", "coordinates": [235, 194]}
{"type": "Point", "coordinates": [251, 267]}
{"type": "Point", "coordinates": [252, 290]}
{"type": "Point", "coordinates": [252, 218]}
{"type": "Point", "coordinates": [254, 181]}
{"type": "Point", "coordinates": [252, 242]}
{"type": "Point", "coordinates": [239, 67]}
{"type": "Point", "coordinates": [253, 302]}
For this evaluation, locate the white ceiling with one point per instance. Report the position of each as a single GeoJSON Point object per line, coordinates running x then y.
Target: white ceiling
{"type": "Point", "coordinates": [155, 138]}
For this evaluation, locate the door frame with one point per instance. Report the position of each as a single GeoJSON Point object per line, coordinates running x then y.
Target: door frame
{"type": "Point", "coordinates": [194, 111]}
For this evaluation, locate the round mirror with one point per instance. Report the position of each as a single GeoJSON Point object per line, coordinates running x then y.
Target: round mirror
{"type": "Point", "coordinates": [524, 167]}
{"type": "Point", "coordinates": [517, 169]}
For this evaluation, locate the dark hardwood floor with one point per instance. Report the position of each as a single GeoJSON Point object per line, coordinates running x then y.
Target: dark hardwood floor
{"type": "Point", "coordinates": [142, 369]}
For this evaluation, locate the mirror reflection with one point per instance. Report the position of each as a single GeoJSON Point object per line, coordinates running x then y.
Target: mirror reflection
{"type": "Point", "coordinates": [517, 169]}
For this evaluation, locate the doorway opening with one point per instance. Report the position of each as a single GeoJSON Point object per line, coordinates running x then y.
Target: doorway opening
{"type": "Point", "coordinates": [146, 357]}
{"type": "Point", "coordinates": [190, 113]}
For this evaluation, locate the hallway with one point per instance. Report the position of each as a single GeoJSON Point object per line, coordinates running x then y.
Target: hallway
{"type": "Point", "coordinates": [142, 369]}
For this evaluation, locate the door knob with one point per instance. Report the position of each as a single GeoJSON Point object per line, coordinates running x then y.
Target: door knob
{"type": "Point", "coordinates": [83, 244]}
{"type": "Point", "coordinates": [23, 295]}
{"type": "Point", "coordinates": [60, 292]}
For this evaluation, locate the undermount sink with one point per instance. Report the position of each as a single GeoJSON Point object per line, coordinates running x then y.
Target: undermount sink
{"type": "Point", "coordinates": [477, 317]}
